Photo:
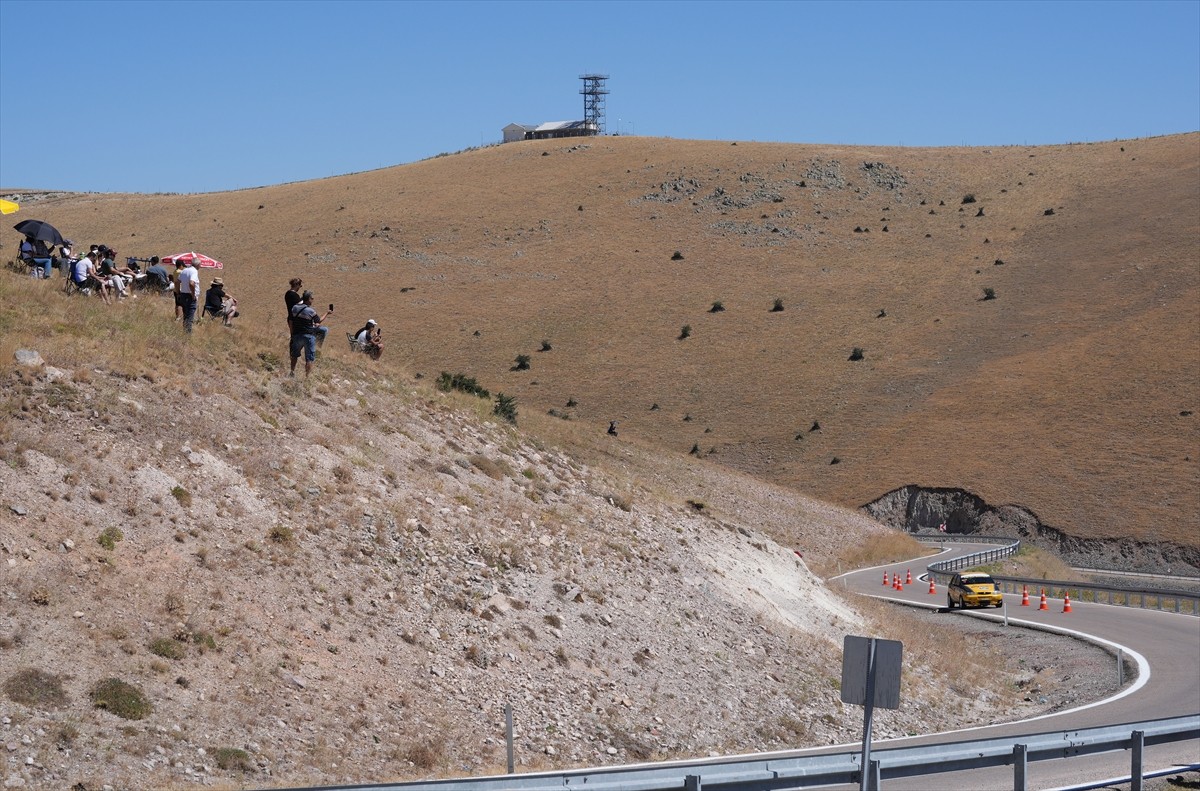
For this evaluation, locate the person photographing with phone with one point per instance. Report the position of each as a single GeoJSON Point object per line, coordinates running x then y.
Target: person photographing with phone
{"type": "Point", "coordinates": [306, 326]}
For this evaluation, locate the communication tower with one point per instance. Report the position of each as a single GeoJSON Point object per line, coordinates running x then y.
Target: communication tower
{"type": "Point", "coordinates": [593, 101]}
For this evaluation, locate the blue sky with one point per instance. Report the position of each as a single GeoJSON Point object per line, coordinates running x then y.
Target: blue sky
{"type": "Point", "coordinates": [203, 96]}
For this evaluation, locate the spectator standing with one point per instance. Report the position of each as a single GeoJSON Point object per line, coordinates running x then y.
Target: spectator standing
{"type": "Point", "coordinates": [175, 290]}
{"type": "Point", "coordinates": [291, 297]}
{"type": "Point", "coordinates": [304, 323]}
{"type": "Point", "coordinates": [189, 292]}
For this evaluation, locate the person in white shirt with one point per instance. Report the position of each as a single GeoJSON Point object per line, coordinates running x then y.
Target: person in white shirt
{"type": "Point", "coordinates": [189, 292]}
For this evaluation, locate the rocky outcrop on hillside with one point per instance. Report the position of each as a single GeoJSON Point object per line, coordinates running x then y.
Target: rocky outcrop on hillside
{"type": "Point", "coordinates": [916, 508]}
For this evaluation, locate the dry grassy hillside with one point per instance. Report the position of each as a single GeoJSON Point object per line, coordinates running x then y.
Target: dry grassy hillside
{"type": "Point", "coordinates": [1072, 393]}
{"type": "Point", "coordinates": [212, 573]}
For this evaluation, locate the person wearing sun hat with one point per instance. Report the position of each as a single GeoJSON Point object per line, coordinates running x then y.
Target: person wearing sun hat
{"type": "Point", "coordinates": [219, 303]}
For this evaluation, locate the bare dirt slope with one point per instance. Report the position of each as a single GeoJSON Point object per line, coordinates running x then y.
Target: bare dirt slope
{"type": "Point", "coordinates": [345, 580]}
{"type": "Point", "coordinates": [1072, 393]}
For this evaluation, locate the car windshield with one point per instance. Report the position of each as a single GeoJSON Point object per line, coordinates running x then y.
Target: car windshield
{"type": "Point", "coordinates": [978, 579]}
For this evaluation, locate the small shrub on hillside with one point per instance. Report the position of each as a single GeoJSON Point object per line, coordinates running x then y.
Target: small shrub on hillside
{"type": "Point", "coordinates": [182, 495]}
{"type": "Point", "coordinates": [856, 354]}
{"type": "Point", "coordinates": [968, 198]}
{"type": "Point", "coordinates": [521, 363]}
{"type": "Point", "coordinates": [677, 256]}
{"type": "Point", "coordinates": [280, 534]}
{"type": "Point", "coordinates": [685, 331]}
{"type": "Point", "coordinates": [168, 648]}
{"type": "Point", "coordinates": [506, 407]}
{"type": "Point", "coordinates": [717, 307]}
{"type": "Point", "coordinates": [109, 538]}
{"type": "Point", "coordinates": [488, 467]}
{"type": "Point", "coordinates": [425, 755]}
{"type": "Point", "coordinates": [695, 451]}
{"type": "Point", "coordinates": [120, 698]}
{"type": "Point", "coordinates": [989, 293]}
{"type": "Point", "coordinates": [545, 346]}
{"type": "Point", "coordinates": [696, 505]}
{"type": "Point", "coordinates": [777, 307]}
{"type": "Point", "coordinates": [462, 383]}
{"type": "Point", "coordinates": [270, 361]}
{"type": "Point", "coordinates": [40, 596]}
{"type": "Point", "coordinates": [36, 689]}
{"type": "Point", "coordinates": [232, 758]}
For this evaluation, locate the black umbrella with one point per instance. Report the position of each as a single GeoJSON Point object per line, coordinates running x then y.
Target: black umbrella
{"type": "Point", "coordinates": [36, 229]}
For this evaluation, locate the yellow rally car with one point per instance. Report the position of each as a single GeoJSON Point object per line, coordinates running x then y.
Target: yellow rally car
{"type": "Point", "coordinates": [973, 589]}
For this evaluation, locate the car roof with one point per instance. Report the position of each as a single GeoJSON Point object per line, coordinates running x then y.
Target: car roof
{"type": "Point", "coordinates": [973, 574]}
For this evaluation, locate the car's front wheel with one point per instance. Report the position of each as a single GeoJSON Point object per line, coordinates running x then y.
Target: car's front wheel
{"type": "Point", "coordinates": [949, 602]}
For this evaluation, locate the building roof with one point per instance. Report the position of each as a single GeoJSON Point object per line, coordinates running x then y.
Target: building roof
{"type": "Point", "coordinates": [526, 127]}
{"type": "Point", "coordinates": [554, 126]}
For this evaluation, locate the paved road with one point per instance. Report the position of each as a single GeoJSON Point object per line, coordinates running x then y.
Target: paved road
{"type": "Point", "coordinates": [1168, 645]}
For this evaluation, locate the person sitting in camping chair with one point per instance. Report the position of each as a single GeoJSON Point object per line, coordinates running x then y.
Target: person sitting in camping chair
{"type": "Point", "coordinates": [220, 304]}
{"type": "Point", "coordinates": [369, 340]}
{"type": "Point", "coordinates": [85, 277]}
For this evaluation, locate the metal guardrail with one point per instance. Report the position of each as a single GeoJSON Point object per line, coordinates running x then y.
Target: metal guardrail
{"type": "Point", "coordinates": [773, 773]}
{"type": "Point", "coordinates": [1080, 591]}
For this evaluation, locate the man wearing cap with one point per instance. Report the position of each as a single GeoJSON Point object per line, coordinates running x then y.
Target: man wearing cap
{"type": "Point", "coordinates": [189, 292]}
{"type": "Point", "coordinates": [305, 323]}
{"type": "Point", "coordinates": [370, 339]}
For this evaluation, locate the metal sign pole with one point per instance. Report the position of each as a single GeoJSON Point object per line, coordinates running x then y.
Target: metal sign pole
{"type": "Point", "coordinates": [868, 710]}
{"type": "Point", "coordinates": [509, 733]}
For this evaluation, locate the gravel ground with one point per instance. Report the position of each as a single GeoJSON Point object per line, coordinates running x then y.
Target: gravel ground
{"type": "Point", "coordinates": [1057, 672]}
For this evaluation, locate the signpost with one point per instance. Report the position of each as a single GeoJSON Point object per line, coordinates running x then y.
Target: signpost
{"type": "Point", "coordinates": [870, 678]}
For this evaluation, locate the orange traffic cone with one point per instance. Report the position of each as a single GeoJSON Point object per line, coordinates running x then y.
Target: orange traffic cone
{"type": "Point", "coordinates": [932, 589]}
{"type": "Point", "coordinates": [1024, 596]}
{"type": "Point", "coordinates": [1067, 603]}
{"type": "Point", "coordinates": [885, 582]}
{"type": "Point", "coordinates": [1043, 606]}
{"type": "Point", "coordinates": [908, 577]}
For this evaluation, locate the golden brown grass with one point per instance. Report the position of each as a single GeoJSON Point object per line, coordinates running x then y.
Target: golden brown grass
{"type": "Point", "coordinates": [887, 547]}
{"type": "Point", "coordinates": [1064, 394]}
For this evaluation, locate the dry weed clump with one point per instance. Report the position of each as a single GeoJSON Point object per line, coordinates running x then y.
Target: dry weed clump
{"type": "Point", "coordinates": [425, 755]}
{"type": "Point", "coordinates": [887, 547]}
{"type": "Point", "coordinates": [35, 688]}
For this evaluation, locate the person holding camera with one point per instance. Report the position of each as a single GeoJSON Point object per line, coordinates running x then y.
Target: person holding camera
{"type": "Point", "coordinates": [305, 324]}
{"type": "Point", "coordinates": [370, 339]}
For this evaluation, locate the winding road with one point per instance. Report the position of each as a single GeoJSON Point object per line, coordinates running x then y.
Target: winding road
{"type": "Point", "coordinates": [1166, 647]}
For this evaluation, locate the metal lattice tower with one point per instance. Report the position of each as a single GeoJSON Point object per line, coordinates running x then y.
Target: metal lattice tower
{"type": "Point", "coordinates": [593, 101]}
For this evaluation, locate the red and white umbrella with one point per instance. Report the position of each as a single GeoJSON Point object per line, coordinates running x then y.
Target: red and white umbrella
{"type": "Point", "coordinates": [199, 259]}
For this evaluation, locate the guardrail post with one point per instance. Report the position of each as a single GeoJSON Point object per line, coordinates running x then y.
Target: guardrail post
{"type": "Point", "coordinates": [691, 783]}
{"type": "Point", "coordinates": [873, 775]}
{"type": "Point", "coordinates": [1135, 769]}
{"type": "Point", "coordinates": [1120, 668]}
{"type": "Point", "coordinates": [1020, 765]}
